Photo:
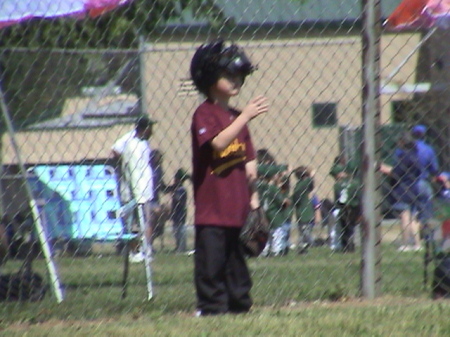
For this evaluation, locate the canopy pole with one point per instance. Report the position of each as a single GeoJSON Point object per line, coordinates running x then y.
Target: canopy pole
{"type": "Point", "coordinates": [412, 52]}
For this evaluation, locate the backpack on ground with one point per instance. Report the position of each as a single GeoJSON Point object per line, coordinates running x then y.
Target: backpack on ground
{"type": "Point", "coordinates": [22, 287]}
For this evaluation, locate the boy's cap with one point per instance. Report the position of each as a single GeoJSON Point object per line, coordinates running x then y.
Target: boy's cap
{"type": "Point", "coordinates": [270, 170]}
{"type": "Point", "coordinates": [144, 121]}
{"type": "Point", "coordinates": [284, 179]}
{"type": "Point", "coordinates": [181, 175]}
{"type": "Point", "coordinates": [301, 171]}
{"type": "Point", "coordinates": [419, 130]}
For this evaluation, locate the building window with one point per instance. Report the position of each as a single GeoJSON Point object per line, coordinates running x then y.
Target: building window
{"type": "Point", "coordinates": [324, 114]}
{"type": "Point", "coordinates": [403, 111]}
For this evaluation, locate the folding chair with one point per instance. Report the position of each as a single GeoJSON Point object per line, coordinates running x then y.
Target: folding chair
{"type": "Point", "coordinates": [90, 193]}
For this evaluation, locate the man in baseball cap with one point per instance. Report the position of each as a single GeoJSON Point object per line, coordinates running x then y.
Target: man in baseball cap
{"type": "Point", "coordinates": [419, 131]}
{"type": "Point", "coordinates": [124, 153]}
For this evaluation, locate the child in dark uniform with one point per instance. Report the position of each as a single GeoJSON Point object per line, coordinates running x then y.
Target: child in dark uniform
{"type": "Point", "coordinates": [304, 208]}
{"type": "Point", "coordinates": [179, 210]}
{"type": "Point", "coordinates": [224, 175]}
{"type": "Point", "coordinates": [347, 203]}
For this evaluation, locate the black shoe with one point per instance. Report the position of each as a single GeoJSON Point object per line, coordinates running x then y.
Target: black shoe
{"type": "Point", "coordinates": [303, 249]}
{"type": "Point", "coordinates": [350, 248]}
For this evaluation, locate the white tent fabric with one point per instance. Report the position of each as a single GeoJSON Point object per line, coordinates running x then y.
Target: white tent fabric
{"type": "Point", "coordinates": [13, 11]}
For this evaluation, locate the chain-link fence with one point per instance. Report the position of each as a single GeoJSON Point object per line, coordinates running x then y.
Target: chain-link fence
{"type": "Point", "coordinates": [66, 103]}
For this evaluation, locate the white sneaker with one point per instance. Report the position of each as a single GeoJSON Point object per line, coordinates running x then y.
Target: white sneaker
{"type": "Point", "coordinates": [417, 248]}
{"type": "Point", "coordinates": [136, 258]}
{"type": "Point", "coordinates": [408, 248]}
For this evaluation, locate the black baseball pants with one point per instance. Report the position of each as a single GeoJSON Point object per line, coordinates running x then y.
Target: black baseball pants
{"type": "Point", "coordinates": [222, 279]}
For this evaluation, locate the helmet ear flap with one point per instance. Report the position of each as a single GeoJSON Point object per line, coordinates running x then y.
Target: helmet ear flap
{"type": "Point", "coordinates": [204, 65]}
{"type": "Point", "coordinates": [200, 68]}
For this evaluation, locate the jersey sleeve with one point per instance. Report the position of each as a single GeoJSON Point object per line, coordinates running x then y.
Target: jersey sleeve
{"type": "Point", "coordinates": [205, 126]}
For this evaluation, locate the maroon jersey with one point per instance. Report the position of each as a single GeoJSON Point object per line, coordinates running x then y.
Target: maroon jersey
{"type": "Point", "coordinates": [221, 191]}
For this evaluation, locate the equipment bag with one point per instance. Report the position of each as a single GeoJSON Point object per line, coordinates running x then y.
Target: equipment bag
{"type": "Point", "coordinates": [441, 279]}
{"type": "Point", "coordinates": [22, 287]}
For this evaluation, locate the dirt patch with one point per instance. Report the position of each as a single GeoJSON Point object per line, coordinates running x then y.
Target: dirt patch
{"type": "Point", "coordinates": [53, 323]}
{"type": "Point", "coordinates": [360, 302]}
{"type": "Point", "coordinates": [345, 302]}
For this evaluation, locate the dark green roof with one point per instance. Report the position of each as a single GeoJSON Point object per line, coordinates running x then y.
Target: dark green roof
{"type": "Point", "coordinates": [267, 12]}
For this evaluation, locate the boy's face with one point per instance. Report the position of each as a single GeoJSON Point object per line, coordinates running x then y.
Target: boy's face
{"type": "Point", "coordinates": [228, 84]}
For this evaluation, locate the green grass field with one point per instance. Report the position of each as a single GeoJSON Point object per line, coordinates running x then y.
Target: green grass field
{"type": "Point", "coordinates": [298, 295]}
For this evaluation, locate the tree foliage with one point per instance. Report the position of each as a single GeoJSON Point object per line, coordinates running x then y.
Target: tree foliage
{"type": "Point", "coordinates": [37, 82]}
{"type": "Point", "coordinates": [116, 29]}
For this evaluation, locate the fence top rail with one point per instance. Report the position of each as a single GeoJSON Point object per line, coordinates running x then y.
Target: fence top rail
{"type": "Point", "coordinates": [164, 47]}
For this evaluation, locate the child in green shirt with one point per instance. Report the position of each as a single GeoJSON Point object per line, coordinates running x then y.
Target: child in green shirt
{"type": "Point", "coordinates": [303, 207]}
{"type": "Point", "coordinates": [277, 205]}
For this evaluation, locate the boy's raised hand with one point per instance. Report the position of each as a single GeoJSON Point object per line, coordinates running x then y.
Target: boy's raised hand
{"type": "Point", "coordinates": [256, 107]}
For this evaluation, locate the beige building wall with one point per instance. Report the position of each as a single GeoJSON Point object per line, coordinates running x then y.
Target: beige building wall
{"type": "Point", "coordinates": [396, 49]}
{"type": "Point", "coordinates": [293, 74]}
{"type": "Point", "coordinates": [66, 145]}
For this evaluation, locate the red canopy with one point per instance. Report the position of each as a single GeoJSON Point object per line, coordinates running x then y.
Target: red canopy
{"type": "Point", "coordinates": [419, 14]}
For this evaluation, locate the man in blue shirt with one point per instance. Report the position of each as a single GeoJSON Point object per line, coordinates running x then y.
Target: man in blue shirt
{"type": "Point", "coordinates": [406, 174]}
{"type": "Point", "coordinates": [430, 168]}
{"type": "Point", "coordinates": [427, 155]}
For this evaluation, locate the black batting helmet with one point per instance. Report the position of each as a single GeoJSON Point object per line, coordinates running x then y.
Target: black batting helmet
{"type": "Point", "coordinates": [213, 58]}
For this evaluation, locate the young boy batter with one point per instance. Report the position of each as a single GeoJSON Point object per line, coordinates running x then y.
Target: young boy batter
{"type": "Point", "coordinates": [224, 172]}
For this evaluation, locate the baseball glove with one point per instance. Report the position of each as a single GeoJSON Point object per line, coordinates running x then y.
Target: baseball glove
{"type": "Point", "coordinates": [255, 232]}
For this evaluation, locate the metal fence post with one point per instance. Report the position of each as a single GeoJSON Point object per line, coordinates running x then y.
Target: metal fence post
{"type": "Point", "coordinates": [370, 224]}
